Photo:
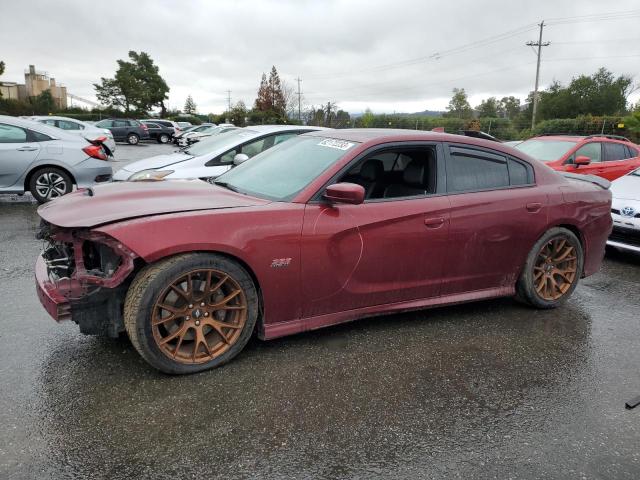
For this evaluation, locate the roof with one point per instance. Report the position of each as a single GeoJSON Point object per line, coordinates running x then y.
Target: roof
{"type": "Point", "coordinates": [366, 134]}
{"type": "Point", "coordinates": [278, 128]}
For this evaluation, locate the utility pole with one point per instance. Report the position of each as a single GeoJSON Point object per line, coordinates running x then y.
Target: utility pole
{"type": "Point", "coordinates": [299, 100]}
{"type": "Point", "coordinates": [229, 100]}
{"type": "Point", "coordinates": [538, 44]}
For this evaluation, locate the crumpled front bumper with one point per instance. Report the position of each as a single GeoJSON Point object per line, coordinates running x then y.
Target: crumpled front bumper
{"type": "Point", "coordinates": [56, 304]}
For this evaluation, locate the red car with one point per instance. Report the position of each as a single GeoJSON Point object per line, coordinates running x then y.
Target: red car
{"type": "Point", "coordinates": [607, 156]}
{"type": "Point", "coordinates": [323, 229]}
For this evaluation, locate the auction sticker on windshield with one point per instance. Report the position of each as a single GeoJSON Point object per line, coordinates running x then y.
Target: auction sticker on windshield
{"type": "Point", "coordinates": [333, 143]}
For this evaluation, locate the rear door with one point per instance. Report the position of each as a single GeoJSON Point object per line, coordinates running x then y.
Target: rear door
{"type": "Point", "coordinates": [120, 128]}
{"type": "Point", "coordinates": [497, 214]}
{"type": "Point", "coordinates": [18, 149]}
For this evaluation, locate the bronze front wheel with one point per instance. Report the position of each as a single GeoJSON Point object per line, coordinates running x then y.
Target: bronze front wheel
{"type": "Point", "coordinates": [191, 312]}
{"type": "Point", "coordinates": [199, 316]}
{"type": "Point", "coordinates": [552, 269]}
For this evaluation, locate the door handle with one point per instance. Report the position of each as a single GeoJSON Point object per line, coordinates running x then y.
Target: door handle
{"type": "Point", "coordinates": [534, 207]}
{"type": "Point", "coordinates": [436, 222]}
{"type": "Point", "coordinates": [26, 149]}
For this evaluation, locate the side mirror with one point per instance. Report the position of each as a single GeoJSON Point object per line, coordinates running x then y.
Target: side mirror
{"type": "Point", "coordinates": [581, 160]}
{"type": "Point", "coordinates": [240, 158]}
{"type": "Point", "coordinates": [350, 193]}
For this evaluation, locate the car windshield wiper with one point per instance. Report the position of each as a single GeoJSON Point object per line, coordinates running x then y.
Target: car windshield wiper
{"type": "Point", "coordinates": [227, 186]}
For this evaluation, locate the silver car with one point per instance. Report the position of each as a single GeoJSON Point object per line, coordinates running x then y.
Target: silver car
{"type": "Point", "coordinates": [84, 129]}
{"type": "Point", "coordinates": [47, 161]}
{"type": "Point", "coordinates": [625, 211]}
{"type": "Point", "coordinates": [212, 156]}
{"type": "Point", "coordinates": [193, 137]}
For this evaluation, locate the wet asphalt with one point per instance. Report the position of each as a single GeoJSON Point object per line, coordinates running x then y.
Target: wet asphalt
{"type": "Point", "coordinates": [485, 390]}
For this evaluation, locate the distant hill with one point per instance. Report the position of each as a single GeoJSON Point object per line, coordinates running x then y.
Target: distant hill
{"type": "Point", "coordinates": [426, 113]}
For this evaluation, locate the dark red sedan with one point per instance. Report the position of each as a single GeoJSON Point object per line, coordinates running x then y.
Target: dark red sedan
{"type": "Point", "coordinates": [326, 228]}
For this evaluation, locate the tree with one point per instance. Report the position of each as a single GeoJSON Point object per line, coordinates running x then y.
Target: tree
{"type": "Point", "coordinates": [271, 97]}
{"type": "Point", "coordinates": [136, 85]}
{"type": "Point", "coordinates": [190, 106]}
{"type": "Point", "coordinates": [459, 106]}
{"type": "Point", "coordinates": [43, 103]}
{"type": "Point", "coordinates": [488, 108]}
{"type": "Point", "coordinates": [367, 119]}
{"type": "Point", "coordinates": [509, 107]}
{"type": "Point", "coordinates": [238, 114]}
{"type": "Point", "coordinates": [598, 94]}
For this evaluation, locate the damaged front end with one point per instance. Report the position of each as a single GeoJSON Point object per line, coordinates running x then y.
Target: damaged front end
{"type": "Point", "coordinates": [82, 276]}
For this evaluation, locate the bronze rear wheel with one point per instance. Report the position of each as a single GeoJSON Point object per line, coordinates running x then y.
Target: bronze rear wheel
{"type": "Point", "coordinates": [555, 270]}
{"type": "Point", "coordinates": [199, 316]}
{"type": "Point", "coordinates": [552, 269]}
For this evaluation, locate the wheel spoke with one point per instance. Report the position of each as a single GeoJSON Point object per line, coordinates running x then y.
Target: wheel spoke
{"type": "Point", "coordinates": [218, 285]}
{"type": "Point", "coordinates": [180, 331]}
{"type": "Point", "coordinates": [227, 299]}
{"type": "Point", "coordinates": [180, 292]}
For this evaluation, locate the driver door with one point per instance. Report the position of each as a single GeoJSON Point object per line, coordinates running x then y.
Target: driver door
{"type": "Point", "coordinates": [385, 250]}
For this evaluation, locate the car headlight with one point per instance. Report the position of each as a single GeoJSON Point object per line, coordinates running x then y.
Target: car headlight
{"type": "Point", "coordinates": [149, 175]}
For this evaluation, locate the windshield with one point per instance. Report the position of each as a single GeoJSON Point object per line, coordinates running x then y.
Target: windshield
{"type": "Point", "coordinates": [285, 169]}
{"type": "Point", "coordinates": [546, 150]}
{"type": "Point", "coordinates": [224, 140]}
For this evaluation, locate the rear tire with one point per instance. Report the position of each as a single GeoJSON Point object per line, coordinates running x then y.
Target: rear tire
{"type": "Point", "coordinates": [552, 270]}
{"type": "Point", "coordinates": [133, 139]}
{"type": "Point", "coordinates": [49, 183]}
{"type": "Point", "coordinates": [164, 138]}
{"type": "Point", "coordinates": [191, 312]}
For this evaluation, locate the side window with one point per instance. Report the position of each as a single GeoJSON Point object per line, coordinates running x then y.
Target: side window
{"type": "Point", "coordinates": [632, 152]}
{"type": "Point", "coordinates": [519, 173]}
{"type": "Point", "coordinates": [37, 136]}
{"type": "Point", "coordinates": [592, 150]}
{"type": "Point", "coordinates": [227, 157]}
{"type": "Point", "coordinates": [120, 123]}
{"type": "Point", "coordinates": [105, 124]}
{"type": "Point", "coordinates": [257, 146]}
{"type": "Point", "coordinates": [383, 177]}
{"type": "Point", "coordinates": [614, 151]}
{"type": "Point", "coordinates": [67, 125]}
{"type": "Point", "coordinates": [11, 134]}
{"type": "Point", "coordinates": [468, 170]}
{"type": "Point", "coordinates": [50, 122]}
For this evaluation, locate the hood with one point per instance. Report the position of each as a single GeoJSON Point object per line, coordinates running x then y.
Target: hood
{"type": "Point", "coordinates": [120, 201]}
{"type": "Point", "coordinates": [158, 161]}
{"type": "Point", "coordinates": [627, 187]}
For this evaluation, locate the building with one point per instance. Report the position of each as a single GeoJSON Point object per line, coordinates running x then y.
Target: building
{"type": "Point", "coordinates": [34, 84]}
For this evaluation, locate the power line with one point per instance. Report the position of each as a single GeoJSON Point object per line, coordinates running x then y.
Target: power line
{"type": "Point", "coordinates": [538, 44]}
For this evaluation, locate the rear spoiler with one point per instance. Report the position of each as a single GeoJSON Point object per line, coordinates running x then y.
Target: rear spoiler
{"type": "Point", "coordinates": [599, 181]}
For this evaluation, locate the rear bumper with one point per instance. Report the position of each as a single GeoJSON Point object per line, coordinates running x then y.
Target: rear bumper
{"type": "Point", "coordinates": [91, 169]}
{"type": "Point", "coordinates": [56, 305]}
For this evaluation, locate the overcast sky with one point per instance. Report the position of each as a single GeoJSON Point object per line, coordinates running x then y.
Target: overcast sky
{"type": "Point", "coordinates": [400, 55]}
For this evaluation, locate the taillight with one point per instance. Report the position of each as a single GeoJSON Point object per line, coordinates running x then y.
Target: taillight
{"type": "Point", "coordinates": [95, 151]}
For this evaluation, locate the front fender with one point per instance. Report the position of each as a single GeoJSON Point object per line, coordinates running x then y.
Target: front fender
{"type": "Point", "coordinates": [257, 236]}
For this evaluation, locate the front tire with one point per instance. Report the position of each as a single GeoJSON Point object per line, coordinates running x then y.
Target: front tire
{"type": "Point", "coordinates": [133, 139]}
{"type": "Point", "coordinates": [191, 312]}
{"type": "Point", "coordinates": [49, 183]}
{"type": "Point", "coordinates": [551, 272]}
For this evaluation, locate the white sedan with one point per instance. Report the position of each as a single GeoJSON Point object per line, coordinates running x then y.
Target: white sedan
{"type": "Point", "coordinates": [78, 127]}
{"type": "Point", "coordinates": [212, 156]}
